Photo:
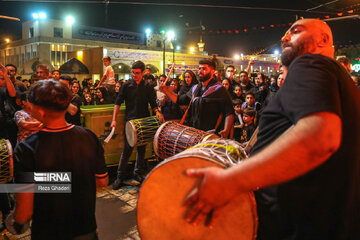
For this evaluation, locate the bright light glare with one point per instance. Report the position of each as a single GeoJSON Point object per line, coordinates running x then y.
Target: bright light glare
{"type": "Point", "coordinates": [236, 57]}
{"type": "Point", "coordinates": [276, 52]}
{"type": "Point", "coordinates": [70, 20]}
{"type": "Point", "coordinates": [170, 35]}
{"type": "Point", "coordinates": [42, 15]}
{"type": "Point", "coordinates": [178, 48]}
{"type": "Point", "coordinates": [35, 15]}
{"type": "Point", "coordinates": [148, 31]}
{"type": "Point", "coordinates": [192, 49]}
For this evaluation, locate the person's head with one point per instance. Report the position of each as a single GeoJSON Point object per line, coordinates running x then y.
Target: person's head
{"type": "Point", "coordinates": [56, 74]}
{"type": "Point", "coordinates": [345, 62]}
{"type": "Point", "coordinates": [174, 85]}
{"type": "Point", "coordinates": [11, 70]}
{"type": "Point", "coordinates": [65, 79]}
{"type": "Point", "coordinates": [237, 103]}
{"type": "Point", "coordinates": [206, 69]}
{"type": "Point", "coordinates": [283, 70]}
{"type": "Point", "coordinates": [106, 60]}
{"type": "Point", "coordinates": [49, 99]}
{"type": "Point", "coordinates": [307, 36]}
{"type": "Point", "coordinates": [259, 79]}
{"type": "Point", "coordinates": [101, 92]}
{"type": "Point", "coordinates": [117, 86]}
{"type": "Point", "coordinates": [189, 77]}
{"type": "Point", "coordinates": [244, 77]}
{"type": "Point", "coordinates": [218, 75]}
{"type": "Point", "coordinates": [92, 89]}
{"type": "Point", "coordinates": [138, 69]}
{"type": "Point", "coordinates": [26, 82]}
{"type": "Point", "coordinates": [42, 71]}
{"type": "Point", "coordinates": [75, 87]}
{"type": "Point", "coordinates": [147, 71]}
{"type": "Point", "coordinates": [355, 80]}
{"type": "Point", "coordinates": [88, 98]}
{"type": "Point", "coordinates": [237, 90]}
{"type": "Point", "coordinates": [272, 80]}
{"type": "Point", "coordinates": [250, 99]}
{"type": "Point", "coordinates": [226, 83]}
{"type": "Point", "coordinates": [280, 80]}
{"type": "Point", "coordinates": [249, 115]}
{"type": "Point", "coordinates": [229, 72]}
{"type": "Point", "coordinates": [21, 100]}
{"type": "Point", "coordinates": [162, 78]}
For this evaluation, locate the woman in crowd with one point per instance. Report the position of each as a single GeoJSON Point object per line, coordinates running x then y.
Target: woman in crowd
{"type": "Point", "coordinates": [102, 96]}
{"type": "Point", "coordinates": [169, 109]}
{"type": "Point", "coordinates": [189, 81]}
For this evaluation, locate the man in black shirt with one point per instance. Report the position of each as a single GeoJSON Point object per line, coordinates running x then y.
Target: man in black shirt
{"type": "Point", "coordinates": [73, 112]}
{"type": "Point", "coordinates": [308, 146]}
{"type": "Point", "coordinates": [137, 95]}
{"type": "Point", "coordinates": [58, 147]}
{"type": "Point", "coordinates": [211, 106]}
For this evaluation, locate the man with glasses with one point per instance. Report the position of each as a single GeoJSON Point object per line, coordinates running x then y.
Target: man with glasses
{"type": "Point", "coordinates": [137, 95]}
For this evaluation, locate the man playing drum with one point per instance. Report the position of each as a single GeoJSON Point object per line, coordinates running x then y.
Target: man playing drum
{"type": "Point", "coordinates": [137, 94]}
{"type": "Point", "coordinates": [308, 146]}
{"type": "Point", "coordinates": [210, 102]}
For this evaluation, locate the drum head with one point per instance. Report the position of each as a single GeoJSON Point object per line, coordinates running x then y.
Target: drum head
{"type": "Point", "coordinates": [131, 134]}
{"type": "Point", "coordinates": [160, 210]}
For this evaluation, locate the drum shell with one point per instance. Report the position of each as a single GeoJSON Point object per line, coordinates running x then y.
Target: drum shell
{"type": "Point", "coordinates": [172, 138]}
{"type": "Point", "coordinates": [141, 131]}
{"type": "Point", "coordinates": [6, 161]}
{"type": "Point", "coordinates": [160, 210]}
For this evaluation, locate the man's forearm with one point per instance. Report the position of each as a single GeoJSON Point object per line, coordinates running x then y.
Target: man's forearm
{"type": "Point", "coordinates": [72, 109]}
{"type": "Point", "coordinates": [171, 95]}
{"type": "Point", "coordinates": [10, 86]}
{"type": "Point", "coordinates": [116, 111]}
{"type": "Point", "coordinates": [304, 147]}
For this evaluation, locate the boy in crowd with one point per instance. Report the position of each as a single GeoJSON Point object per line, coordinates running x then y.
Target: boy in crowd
{"type": "Point", "coordinates": [249, 125]}
{"type": "Point", "coordinates": [54, 215]}
{"type": "Point", "coordinates": [238, 121]}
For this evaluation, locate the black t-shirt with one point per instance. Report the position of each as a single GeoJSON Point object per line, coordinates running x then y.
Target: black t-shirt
{"type": "Point", "coordinates": [75, 119]}
{"type": "Point", "coordinates": [137, 99]}
{"type": "Point", "coordinates": [207, 105]}
{"type": "Point", "coordinates": [76, 150]}
{"type": "Point", "coordinates": [325, 202]}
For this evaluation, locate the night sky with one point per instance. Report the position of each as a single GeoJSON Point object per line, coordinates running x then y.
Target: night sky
{"type": "Point", "coordinates": [183, 19]}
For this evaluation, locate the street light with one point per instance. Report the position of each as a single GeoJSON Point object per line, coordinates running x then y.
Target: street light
{"type": "Point", "coordinates": [42, 15]}
{"type": "Point", "coordinates": [236, 57]}
{"type": "Point", "coordinates": [192, 50]}
{"type": "Point", "coordinates": [148, 31]}
{"type": "Point", "coordinates": [70, 20]}
{"type": "Point", "coordinates": [7, 40]}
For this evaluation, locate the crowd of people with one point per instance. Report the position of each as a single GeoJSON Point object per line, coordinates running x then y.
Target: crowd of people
{"type": "Point", "coordinates": [35, 114]}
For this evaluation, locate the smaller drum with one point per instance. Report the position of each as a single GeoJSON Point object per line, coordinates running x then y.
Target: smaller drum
{"type": "Point", "coordinates": [141, 131]}
{"type": "Point", "coordinates": [6, 161]}
{"type": "Point", "coordinates": [172, 138]}
{"type": "Point", "coordinates": [160, 208]}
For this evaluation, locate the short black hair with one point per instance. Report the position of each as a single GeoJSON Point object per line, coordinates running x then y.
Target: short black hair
{"type": "Point", "coordinates": [11, 65]}
{"type": "Point", "coordinates": [56, 71]}
{"type": "Point", "coordinates": [230, 66]}
{"type": "Point", "coordinates": [237, 101]}
{"type": "Point", "coordinates": [43, 66]}
{"type": "Point", "coordinates": [66, 78]}
{"type": "Point", "coordinates": [249, 93]}
{"type": "Point", "coordinates": [208, 61]}
{"type": "Point", "coordinates": [50, 94]}
{"type": "Point", "coordinates": [107, 57]}
{"type": "Point", "coordinates": [250, 111]}
{"type": "Point", "coordinates": [243, 72]}
{"type": "Point", "coordinates": [138, 65]}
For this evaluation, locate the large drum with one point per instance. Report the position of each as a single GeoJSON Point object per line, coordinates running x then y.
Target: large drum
{"type": "Point", "coordinates": [172, 138]}
{"type": "Point", "coordinates": [160, 210]}
{"type": "Point", "coordinates": [141, 131]}
{"type": "Point", "coordinates": [6, 161]}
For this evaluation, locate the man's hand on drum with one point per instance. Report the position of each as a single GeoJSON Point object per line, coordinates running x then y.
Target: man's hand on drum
{"type": "Point", "coordinates": [213, 191]}
{"type": "Point", "coordinates": [160, 116]}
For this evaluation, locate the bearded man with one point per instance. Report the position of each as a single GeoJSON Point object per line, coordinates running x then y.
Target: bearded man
{"type": "Point", "coordinates": [211, 105]}
{"type": "Point", "coordinates": [307, 148]}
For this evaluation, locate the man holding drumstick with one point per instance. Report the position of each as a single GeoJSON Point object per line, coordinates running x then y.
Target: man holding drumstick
{"type": "Point", "coordinates": [210, 102]}
{"type": "Point", "coordinates": [315, 164]}
{"type": "Point", "coordinates": [137, 94]}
